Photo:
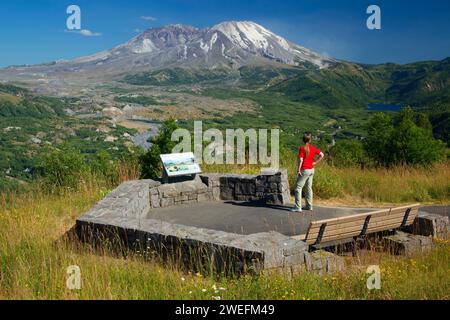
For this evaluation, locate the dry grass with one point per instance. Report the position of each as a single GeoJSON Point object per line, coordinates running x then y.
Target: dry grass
{"type": "Point", "coordinates": [9, 98]}
{"type": "Point", "coordinates": [34, 255]}
{"type": "Point", "coordinates": [33, 262]}
{"type": "Point", "coordinates": [369, 187]}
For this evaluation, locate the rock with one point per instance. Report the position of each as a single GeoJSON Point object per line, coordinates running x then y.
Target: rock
{"type": "Point", "coordinates": [245, 188]}
{"type": "Point", "coordinates": [110, 139]}
{"type": "Point", "coordinates": [402, 243]}
{"type": "Point", "coordinates": [204, 197]}
{"type": "Point", "coordinates": [167, 202]}
{"type": "Point", "coordinates": [324, 262]}
{"type": "Point", "coordinates": [428, 224]}
{"type": "Point", "coordinates": [36, 140]}
{"type": "Point", "coordinates": [155, 201]}
{"type": "Point", "coordinates": [226, 193]}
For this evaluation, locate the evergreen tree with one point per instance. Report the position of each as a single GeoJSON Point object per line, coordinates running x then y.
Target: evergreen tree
{"type": "Point", "coordinates": [161, 144]}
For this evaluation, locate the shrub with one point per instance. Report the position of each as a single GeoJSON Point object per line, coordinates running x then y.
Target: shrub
{"type": "Point", "coordinates": [161, 144]}
{"type": "Point", "coordinates": [406, 139]}
{"type": "Point", "coordinates": [102, 166]}
{"type": "Point", "coordinates": [379, 134]}
{"type": "Point", "coordinates": [61, 168]}
{"type": "Point", "coordinates": [347, 153]}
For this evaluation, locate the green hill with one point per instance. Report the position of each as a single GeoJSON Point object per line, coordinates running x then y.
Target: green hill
{"type": "Point", "coordinates": [351, 85]}
{"type": "Point", "coordinates": [31, 123]}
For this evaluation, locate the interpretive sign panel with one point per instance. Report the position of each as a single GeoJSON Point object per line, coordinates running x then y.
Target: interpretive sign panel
{"type": "Point", "coordinates": [178, 164]}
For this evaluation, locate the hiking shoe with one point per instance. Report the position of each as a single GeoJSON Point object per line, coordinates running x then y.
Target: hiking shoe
{"type": "Point", "coordinates": [296, 209]}
{"type": "Point", "coordinates": [308, 209]}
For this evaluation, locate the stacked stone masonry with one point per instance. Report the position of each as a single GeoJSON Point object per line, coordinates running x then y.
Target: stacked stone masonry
{"type": "Point", "coordinates": [124, 212]}
{"type": "Point", "coordinates": [271, 187]}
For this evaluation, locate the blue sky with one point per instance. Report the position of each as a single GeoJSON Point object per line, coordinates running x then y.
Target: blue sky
{"type": "Point", "coordinates": [34, 31]}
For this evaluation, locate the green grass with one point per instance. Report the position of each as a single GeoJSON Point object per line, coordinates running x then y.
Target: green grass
{"type": "Point", "coordinates": [143, 100]}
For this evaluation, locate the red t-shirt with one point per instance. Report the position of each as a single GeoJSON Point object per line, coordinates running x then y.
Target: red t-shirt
{"type": "Point", "coordinates": [309, 159]}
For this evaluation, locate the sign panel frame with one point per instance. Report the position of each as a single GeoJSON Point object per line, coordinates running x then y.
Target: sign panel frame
{"type": "Point", "coordinates": [180, 164]}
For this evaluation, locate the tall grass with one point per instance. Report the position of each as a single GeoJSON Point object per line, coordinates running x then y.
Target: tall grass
{"type": "Point", "coordinates": [35, 252]}
{"type": "Point", "coordinates": [34, 257]}
{"type": "Point", "coordinates": [354, 185]}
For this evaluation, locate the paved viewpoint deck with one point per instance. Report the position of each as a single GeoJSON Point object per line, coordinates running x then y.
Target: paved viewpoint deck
{"type": "Point", "coordinates": [247, 217]}
{"type": "Point", "coordinates": [219, 221]}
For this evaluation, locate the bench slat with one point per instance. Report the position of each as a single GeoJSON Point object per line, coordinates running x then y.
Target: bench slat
{"type": "Point", "coordinates": [360, 222]}
{"type": "Point", "coordinates": [355, 225]}
{"type": "Point", "coordinates": [355, 231]}
{"type": "Point", "coordinates": [352, 226]}
{"type": "Point", "coordinates": [353, 217]}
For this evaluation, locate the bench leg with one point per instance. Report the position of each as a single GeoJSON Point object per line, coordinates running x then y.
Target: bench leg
{"type": "Point", "coordinates": [354, 248]}
{"type": "Point", "coordinates": [357, 244]}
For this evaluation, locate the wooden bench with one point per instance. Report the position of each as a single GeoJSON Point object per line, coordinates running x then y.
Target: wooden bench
{"type": "Point", "coordinates": [346, 229]}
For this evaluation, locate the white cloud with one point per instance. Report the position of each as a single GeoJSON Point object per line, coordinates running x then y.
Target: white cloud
{"type": "Point", "coordinates": [85, 32]}
{"type": "Point", "coordinates": [89, 33]}
{"type": "Point", "coordinates": [148, 18]}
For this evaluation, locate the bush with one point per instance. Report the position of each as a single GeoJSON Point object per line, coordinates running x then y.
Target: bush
{"type": "Point", "coordinates": [67, 168]}
{"type": "Point", "coordinates": [161, 144]}
{"type": "Point", "coordinates": [102, 166]}
{"type": "Point", "coordinates": [347, 153]}
{"type": "Point", "coordinates": [406, 139]}
{"type": "Point", "coordinates": [61, 168]}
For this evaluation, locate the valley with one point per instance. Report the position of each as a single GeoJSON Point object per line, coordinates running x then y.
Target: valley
{"type": "Point", "coordinates": [232, 75]}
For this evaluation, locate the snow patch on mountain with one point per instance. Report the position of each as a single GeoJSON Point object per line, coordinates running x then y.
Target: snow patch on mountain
{"type": "Point", "coordinates": [145, 46]}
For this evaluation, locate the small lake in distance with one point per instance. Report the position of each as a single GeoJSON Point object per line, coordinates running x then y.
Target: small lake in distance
{"type": "Point", "coordinates": [384, 107]}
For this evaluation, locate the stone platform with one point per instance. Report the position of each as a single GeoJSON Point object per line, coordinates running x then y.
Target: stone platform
{"type": "Point", "coordinates": [247, 217]}
{"type": "Point", "coordinates": [221, 222]}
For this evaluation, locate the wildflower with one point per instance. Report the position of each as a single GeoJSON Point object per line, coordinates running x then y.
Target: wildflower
{"type": "Point", "coordinates": [216, 297]}
{"type": "Point", "coordinates": [183, 279]}
{"type": "Point", "coordinates": [203, 290]}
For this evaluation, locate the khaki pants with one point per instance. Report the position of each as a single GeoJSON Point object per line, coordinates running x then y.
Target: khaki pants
{"type": "Point", "coordinates": [305, 180]}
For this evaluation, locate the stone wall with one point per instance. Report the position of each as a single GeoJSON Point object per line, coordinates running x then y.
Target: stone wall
{"type": "Point", "coordinates": [121, 219]}
{"type": "Point", "coordinates": [270, 186]}
{"type": "Point", "coordinates": [174, 194]}
{"type": "Point", "coordinates": [212, 250]}
{"type": "Point", "coordinates": [130, 199]}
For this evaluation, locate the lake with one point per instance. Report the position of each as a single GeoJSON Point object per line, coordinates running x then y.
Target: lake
{"type": "Point", "coordinates": [384, 107]}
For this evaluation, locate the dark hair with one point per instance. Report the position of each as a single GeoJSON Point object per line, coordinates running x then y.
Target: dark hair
{"type": "Point", "coordinates": [307, 137]}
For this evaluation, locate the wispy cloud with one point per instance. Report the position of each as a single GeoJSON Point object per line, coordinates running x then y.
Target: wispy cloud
{"type": "Point", "coordinates": [148, 18]}
{"type": "Point", "coordinates": [85, 32]}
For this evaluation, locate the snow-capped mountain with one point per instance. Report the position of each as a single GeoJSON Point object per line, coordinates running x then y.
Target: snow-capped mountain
{"type": "Point", "coordinates": [230, 43]}
{"type": "Point", "coordinates": [226, 45]}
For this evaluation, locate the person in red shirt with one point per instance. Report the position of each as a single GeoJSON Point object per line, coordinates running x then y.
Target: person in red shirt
{"type": "Point", "coordinates": [307, 160]}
